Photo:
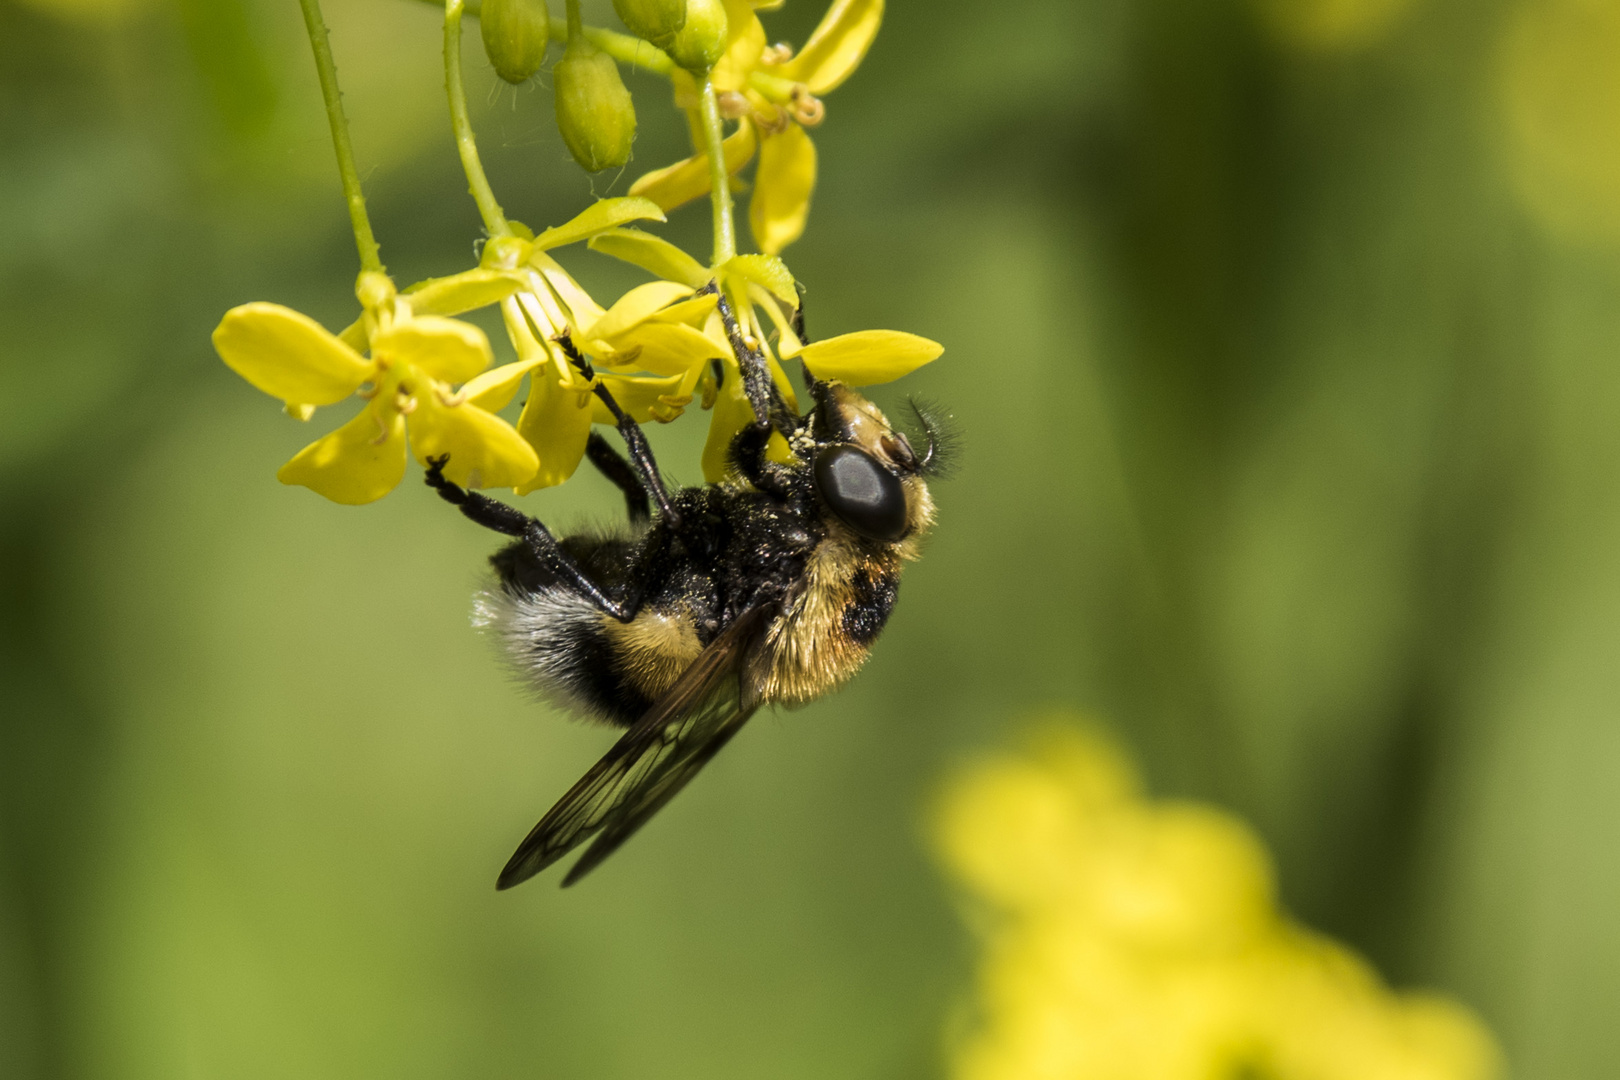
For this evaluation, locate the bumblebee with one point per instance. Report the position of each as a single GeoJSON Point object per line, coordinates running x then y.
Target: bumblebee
{"type": "Point", "coordinates": [766, 589]}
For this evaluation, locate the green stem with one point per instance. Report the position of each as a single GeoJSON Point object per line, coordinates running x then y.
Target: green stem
{"type": "Point", "coordinates": [370, 256]}
{"type": "Point", "coordinates": [573, 24]}
{"type": "Point", "coordinates": [627, 49]}
{"type": "Point", "coordinates": [725, 233]}
{"type": "Point", "coordinates": [477, 183]}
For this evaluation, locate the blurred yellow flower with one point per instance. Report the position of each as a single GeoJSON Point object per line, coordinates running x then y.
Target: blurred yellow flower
{"type": "Point", "coordinates": [1560, 94]}
{"type": "Point", "coordinates": [1139, 940]}
{"type": "Point", "coordinates": [414, 360]}
{"type": "Point", "coordinates": [774, 95]}
{"type": "Point", "coordinates": [1325, 25]}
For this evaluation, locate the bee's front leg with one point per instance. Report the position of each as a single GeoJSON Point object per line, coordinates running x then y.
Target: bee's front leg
{"type": "Point", "coordinates": [748, 456]}
{"type": "Point", "coordinates": [758, 386]}
{"type": "Point", "coordinates": [492, 514]}
{"type": "Point", "coordinates": [623, 476]}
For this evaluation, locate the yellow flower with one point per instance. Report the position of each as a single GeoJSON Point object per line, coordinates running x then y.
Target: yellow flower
{"type": "Point", "coordinates": [1132, 938]}
{"type": "Point", "coordinates": [647, 345]}
{"type": "Point", "coordinates": [751, 283]}
{"type": "Point", "coordinates": [775, 96]}
{"type": "Point", "coordinates": [414, 361]}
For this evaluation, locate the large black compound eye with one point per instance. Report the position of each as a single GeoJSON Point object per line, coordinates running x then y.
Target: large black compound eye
{"type": "Point", "coordinates": [865, 496]}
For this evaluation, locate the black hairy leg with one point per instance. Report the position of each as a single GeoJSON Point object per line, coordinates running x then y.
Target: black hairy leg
{"type": "Point", "coordinates": [615, 468]}
{"type": "Point", "coordinates": [748, 455]}
{"type": "Point", "coordinates": [635, 440]}
{"type": "Point", "coordinates": [492, 514]}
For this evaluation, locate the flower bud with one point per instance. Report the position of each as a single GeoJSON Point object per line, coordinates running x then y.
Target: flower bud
{"type": "Point", "coordinates": [655, 20]}
{"type": "Point", "coordinates": [515, 35]}
{"type": "Point", "coordinates": [594, 111]}
{"type": "Point", "coordinates": [702, 41]}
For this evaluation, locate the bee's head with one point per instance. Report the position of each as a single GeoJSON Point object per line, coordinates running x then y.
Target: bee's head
{"type": "Point", "coordinates": [866, 472]}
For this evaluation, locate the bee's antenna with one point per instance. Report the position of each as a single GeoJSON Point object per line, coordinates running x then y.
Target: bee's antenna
{"type": "Point", "coordinates": [938, 433]}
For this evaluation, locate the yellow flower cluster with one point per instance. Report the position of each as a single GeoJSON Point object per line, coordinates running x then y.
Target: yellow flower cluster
{"type": "Point", "coordinates": [1138, 940]}
{"type": "Point", "coordinates": [427, 379]}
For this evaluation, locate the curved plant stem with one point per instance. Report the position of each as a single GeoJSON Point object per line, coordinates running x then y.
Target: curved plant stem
{"type": "Point", "coordinates": [626, 49]}
{"type": "Point", "coordinates": [725, 232]}
{"type": "Point", "coordinates": [364, 240]}
{"type": "Point", "coordinates": [477, 183]}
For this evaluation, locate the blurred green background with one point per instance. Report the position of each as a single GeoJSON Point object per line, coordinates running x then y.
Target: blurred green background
{"type": "Point", "coordinates": [1285, 337]}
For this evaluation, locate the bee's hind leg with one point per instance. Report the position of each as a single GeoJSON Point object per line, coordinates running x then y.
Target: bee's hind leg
{"type": "Point", "coordinates": [615, 468]}
{"type": "Point", "coordinates": [492, 514]}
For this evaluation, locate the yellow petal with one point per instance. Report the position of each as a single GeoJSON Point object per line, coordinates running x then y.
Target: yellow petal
{"type": "Point", "coordinates": [687, 180]}
{"type": "Point", "coordinates": [745, 41]}
{"type": "Point", "coordinates": [556, 421]}
{"type": "Point", "coordinates": [787, 342]}
{"type": "Point", "coordinates": [653, 254]}
{"type": "Point", "coordinates": [766, 271]}
{"type": "Point", "coordinates": [668, 349]}
{"type": "Point", "coordinates": [440, 348]}
{"type": "Point", "coordinates": [837, 46]}
{"type": "Point", "coordinates": [484, 450]}
{"type": "Point", "coordinates": [690, 312]}
{"type": "Point", "coordinates": [466, 291]}
{"type": "Point", "coordinates": [289, 355]}
{"type": "Point", "coordinates": [358, 463]}
{"type": "Point", "coordinates": [600, 216]}
{"type": "Point", "coordinates": [582, 310]}
{"type": "Point", "coordinates": [783, 183]}
{"type": "Point", "coordinates": [354, 336]}
{"type": "Point", "coordinates": [519, 331]}
{"type": "Point", "coordinates": [636, 306]}
{"type": "Point", "coordinates": [868, 356]}
{"type": "Point", "coordinates": [494, 389]}
{"type": "Point", "coordinates": [642, 398]}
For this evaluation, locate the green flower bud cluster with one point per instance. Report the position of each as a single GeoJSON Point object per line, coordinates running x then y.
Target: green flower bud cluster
{"type": "Point", "coordinates": [595, 113]}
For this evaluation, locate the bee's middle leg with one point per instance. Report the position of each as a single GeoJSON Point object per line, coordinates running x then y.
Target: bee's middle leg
{"type": "Point", "coordinates": [635, 440]}
{"type": "Point", "coordinates": [615, 468]}
{"type": "Point", "coordinates": [492, 514]}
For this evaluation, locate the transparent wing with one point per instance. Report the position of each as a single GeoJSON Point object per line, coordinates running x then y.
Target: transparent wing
{"type": "Point", "coordinates": [649, 764]}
